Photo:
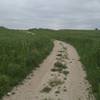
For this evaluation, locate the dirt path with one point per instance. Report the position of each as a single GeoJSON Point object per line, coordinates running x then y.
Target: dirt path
{"type": "Point", "coordinates": [60, 77]}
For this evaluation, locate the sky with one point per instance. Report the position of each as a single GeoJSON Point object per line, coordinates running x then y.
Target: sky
{"type": "Point", "coordinates": [53, 14]}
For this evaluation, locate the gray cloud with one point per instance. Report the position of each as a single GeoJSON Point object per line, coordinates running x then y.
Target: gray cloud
{"type": "Point", "coordinates": [50, 13]}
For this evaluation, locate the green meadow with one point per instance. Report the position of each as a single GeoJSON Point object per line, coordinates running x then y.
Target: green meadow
{"type": "Point", "coordinates": [23, 51]}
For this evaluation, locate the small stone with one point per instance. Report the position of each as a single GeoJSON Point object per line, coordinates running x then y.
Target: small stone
{"type": "Point", "coordinates": [9, 93]}
{"type": "Point", "coordinates": [13, 93]}
{"type": "Point", "coordinates": [57, 92]}
{"type": "Point", "coordinates": [65, 90]}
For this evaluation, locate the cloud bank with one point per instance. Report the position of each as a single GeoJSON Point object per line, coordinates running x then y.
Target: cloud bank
{"type": "Point", "coordinates": [54, 14]}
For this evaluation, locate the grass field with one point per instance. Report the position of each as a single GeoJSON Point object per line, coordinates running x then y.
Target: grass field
{"type": "Point", "coordinates": [20, 52]}
{"type": "Point", "coordinates": [87, 43]}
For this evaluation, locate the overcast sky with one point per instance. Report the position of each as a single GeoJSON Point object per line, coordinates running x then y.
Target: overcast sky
{"type": "Point", "coordinates": [54, 14]}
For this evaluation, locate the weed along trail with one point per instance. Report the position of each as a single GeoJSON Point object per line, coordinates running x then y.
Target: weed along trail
{"type": "Point", "coordinates": [60, 77]}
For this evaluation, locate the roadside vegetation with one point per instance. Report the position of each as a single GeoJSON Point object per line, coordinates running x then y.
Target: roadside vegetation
{"type": "Point", "coordinates": [87, 43]}
{"type": "Point", "coordinates": [21, 52]}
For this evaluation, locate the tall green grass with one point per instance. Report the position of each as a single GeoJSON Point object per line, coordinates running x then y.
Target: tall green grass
{"type": "Point", "coordinates": [20, 53]}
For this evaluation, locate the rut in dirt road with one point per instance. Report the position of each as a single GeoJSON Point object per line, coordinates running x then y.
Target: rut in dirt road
{"type": "Point", "coordinates": [60, 77]}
